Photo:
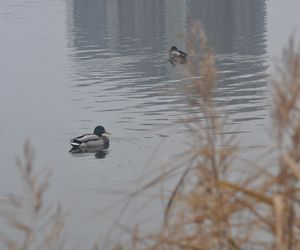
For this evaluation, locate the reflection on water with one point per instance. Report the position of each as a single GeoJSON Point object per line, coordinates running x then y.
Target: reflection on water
{"type": "Point", "coordinates": [100, 152]}
{"type": "Point", "coordinates": [119, 53]}
{"type": "Point", "coordinates": [236, 30]}
{"type": "Point", "coordinates": [233, 27]}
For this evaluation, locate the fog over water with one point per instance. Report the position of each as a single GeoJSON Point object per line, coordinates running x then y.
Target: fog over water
{"type": "Point", "coordinates": [69, 65]}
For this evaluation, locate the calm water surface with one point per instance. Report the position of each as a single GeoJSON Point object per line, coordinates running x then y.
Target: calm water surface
{"type": "Point", "coordinates": [67, 66]}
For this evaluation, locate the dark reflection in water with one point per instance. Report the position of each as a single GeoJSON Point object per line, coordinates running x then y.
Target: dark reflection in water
{"type": "Point", "coordinates": [233, 26]}
{"type": "Point", "coordinates": [119, 51]}
{"type": "Point", "coordinates": [236, 30]}
{"type": "Point", "coordinates": [100, 152]}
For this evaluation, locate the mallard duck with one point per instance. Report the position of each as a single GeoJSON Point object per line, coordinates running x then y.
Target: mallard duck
{"type": "Point", "coordinates": [90, 141]}
{"type": "Point", "coordinates": [176, 55]}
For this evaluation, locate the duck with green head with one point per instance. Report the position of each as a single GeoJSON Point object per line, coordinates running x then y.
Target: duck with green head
{"type": "Point", "coordinates": [90, 141]}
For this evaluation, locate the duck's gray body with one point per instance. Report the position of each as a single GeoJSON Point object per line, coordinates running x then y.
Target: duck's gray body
{"type": "Point", "coordinates": [89, 141]}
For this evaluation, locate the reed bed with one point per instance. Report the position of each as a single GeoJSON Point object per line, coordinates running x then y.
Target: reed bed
{"type": "Point", "coordinates": [212, 208]}
{"type": "Point", "coordinates": [31, 223]}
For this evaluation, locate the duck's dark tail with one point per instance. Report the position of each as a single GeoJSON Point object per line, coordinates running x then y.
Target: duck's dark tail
{"type": "Point", "coordinates": [183, 54]}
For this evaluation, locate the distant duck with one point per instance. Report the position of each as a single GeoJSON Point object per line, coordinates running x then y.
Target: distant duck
{"type": "Point", "coordinates": [88, 142]}
{"type": "Point", "coordinates": [176, 55]}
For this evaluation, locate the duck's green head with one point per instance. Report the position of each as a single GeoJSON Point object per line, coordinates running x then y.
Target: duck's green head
{"type": "Point", "coordinates": [99, 130]}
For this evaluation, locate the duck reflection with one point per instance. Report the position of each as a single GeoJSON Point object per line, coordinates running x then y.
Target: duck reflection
{"type": "Point", "coordinates": [100, 152]}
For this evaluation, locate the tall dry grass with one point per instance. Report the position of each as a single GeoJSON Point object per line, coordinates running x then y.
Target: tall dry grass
{"type": "Point", "coordinates": [27, 221]}
{"type": "Point", "coordinates": [210, 207]}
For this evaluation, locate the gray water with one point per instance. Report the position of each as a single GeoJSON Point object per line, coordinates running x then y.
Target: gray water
{"type": "Point", "coordinates": [67, 66]}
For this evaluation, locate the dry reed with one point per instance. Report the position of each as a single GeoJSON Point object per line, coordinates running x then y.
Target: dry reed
{"type": "Point", "coordinates": [30, 222]}
{"type": "Point", "coordinates": [209, 208]}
